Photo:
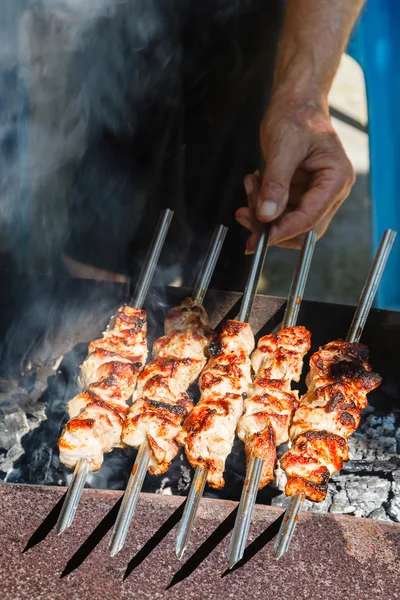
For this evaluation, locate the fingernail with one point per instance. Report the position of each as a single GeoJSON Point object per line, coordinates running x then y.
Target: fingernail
{"type": "Point", "coordinates": [247, 252]}
{"type": "Point", "coordinates": [267, 209]}
{"type": "Point", "coordinates": [257, 173]}
{"type": "Point", "coordinates": [248, 185]}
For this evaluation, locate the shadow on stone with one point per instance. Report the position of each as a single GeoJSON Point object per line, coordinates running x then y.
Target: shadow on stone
{"type": "Point", "coordinates": [45, 526]}
{"type": "Point", "coordinates": [159, 535]}
{"type": "Point", "coordinates": [92, 541]}
{"type": "Point", "coordinates": [205, 549]}
{"type": "Point", "coordinates": [259, 543]}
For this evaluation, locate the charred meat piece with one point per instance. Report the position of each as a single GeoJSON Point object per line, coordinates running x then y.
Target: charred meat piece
{"type": "Point", "coordinates": [338, 382]}
{"type": "Point", "coordinates": [160, 402]}
{"type": "Point", "coordinates": [208, 433]}
{"type": "Point", "coordinates": [270, 404]}
{"type": "Point", "coordinates": [108, 376]}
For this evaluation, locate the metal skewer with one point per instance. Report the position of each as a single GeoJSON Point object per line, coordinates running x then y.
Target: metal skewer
{"type": "Point", "coordinates": [142, 462]}
{"type": "Point", "coordinates": [82, 467]}
{"type": "Point", "coordinates": [365, 302]}
{"type": "Point", "coordinates": [255, 463]}
{"type": "Point", "coordinates": [200, 477]}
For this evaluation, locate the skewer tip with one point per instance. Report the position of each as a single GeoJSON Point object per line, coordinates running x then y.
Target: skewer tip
{"type": "Point", "coordinates": [190, 511]}
{"type": "Point", "coordinates": [245, 511]}
{"type": "Point", "coordinates": [279, 552]}
{"type": "Point", "coordinates": [65, 519]}
{"type": "Point", "coordinates": [114, 549]}
{"type": "Point", "coordinates": [234, 561]}
{"type": "Point", "coordinates": [130, 499]}
{"type": "Point", "coordinates": [179, 550]}
{"type": "Point", "coordinates": [61, 529]}
{"type": "Point", "coordinates": [73, 496]}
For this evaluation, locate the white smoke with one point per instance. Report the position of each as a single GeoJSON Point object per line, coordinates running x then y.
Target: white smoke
{"type": "Point", "coordinates": [69, 70]}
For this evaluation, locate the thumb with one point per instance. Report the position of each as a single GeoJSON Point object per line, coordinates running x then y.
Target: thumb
{"type": "Point", "coordinates": [274, 192]}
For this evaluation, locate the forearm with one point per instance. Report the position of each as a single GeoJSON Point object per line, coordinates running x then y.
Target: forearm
{"type": "Point", "coordinates": [314, 38]}
{"type": "Point", "coordinates": [307, 174]}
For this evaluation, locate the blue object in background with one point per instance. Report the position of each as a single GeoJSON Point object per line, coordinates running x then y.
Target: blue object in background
{"type": "Point", "coordinates": [375, 45]}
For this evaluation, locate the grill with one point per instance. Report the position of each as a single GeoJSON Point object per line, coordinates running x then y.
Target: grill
{"type": "Point", "coordinates": [46, 325]}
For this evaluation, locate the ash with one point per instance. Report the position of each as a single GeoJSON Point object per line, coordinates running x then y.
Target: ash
{"type": "Point", "coordinates": [369, 484]}
{"type": "Point", "coordinates": [33, 410]}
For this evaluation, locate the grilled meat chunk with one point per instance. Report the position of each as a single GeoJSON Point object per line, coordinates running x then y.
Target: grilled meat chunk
{"type": "Point", "coordinates": [270, 404]}
{"type": "Point", "coordinates": [160, 402]}
{"type": "Point", "coordinates": [338, 382]}
{"type": "Point", "coordinates": [208, 433]}
{"type": "Point", "coordinates": [108, 376]}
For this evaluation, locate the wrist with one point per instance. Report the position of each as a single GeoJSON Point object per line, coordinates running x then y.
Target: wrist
{"type": "Point", "coordinates": [296, 104]}
{"type": "Point", "coordinates": [300, 95]}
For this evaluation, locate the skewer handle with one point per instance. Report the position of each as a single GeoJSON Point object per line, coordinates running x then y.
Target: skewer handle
{"type": "Point", "coordinates": [152, 256]}
{"type": "Point", "coordinates": [299, 281]}
{"type": "Point", "coordinates": [371, 285]}
{"type": "Point", "coordinates": [73, 495]}
{"type": "Point", "coordinates": [208, 266]}
{"type": "Point", "coordinates": [253, 278]}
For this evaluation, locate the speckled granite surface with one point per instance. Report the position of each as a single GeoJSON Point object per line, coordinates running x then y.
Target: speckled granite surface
{"type": "Point", "coordinates": [331, 556]}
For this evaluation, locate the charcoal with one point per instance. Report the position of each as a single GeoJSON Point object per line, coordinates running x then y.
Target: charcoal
{"type": "Point", "coordinates": [393, 508]}
{"type": "Point", "coordinates": [380, 514]}
{"type": "Point", "coordinates": [13, 454]}
{"type": "Point", "coordinates": [375, 438]}
{"type": "Point", "coordinates": [366, 494]}
{"type": "Point", "coordinates": [13, 424]}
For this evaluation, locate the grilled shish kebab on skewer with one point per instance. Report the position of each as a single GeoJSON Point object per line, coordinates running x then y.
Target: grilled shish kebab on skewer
{"type": "Point", "coordinates": [208, 433]}
{"type": "Point", "coordinates": [161, 403]}
{"type": "Point", "coordinates": [270, 404]}
{"type": "Point", "coordinates": [338, 382]}
{"type": "Point", "coordinates": [108, 376]}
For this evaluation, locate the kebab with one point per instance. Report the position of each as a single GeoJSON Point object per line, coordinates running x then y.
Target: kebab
{"type": "Point", "coordinates": [338, 382]}
{"type": "Point", "coordinates": [108, 377]}
{"type": "Point", "coordinates": [270, 405]}
{"type": "Point", "coordinates": [161, 402]}
{"type": "Point", "coordinates": [208, 433]}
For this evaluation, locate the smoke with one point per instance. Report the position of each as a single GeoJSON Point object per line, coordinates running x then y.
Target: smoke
{"type": "Point", "coordinates": [91, 112]}
{"type": "Point", "coordinates": [72, 72]}
{"type": "Point", "coordinates": [42, 127]}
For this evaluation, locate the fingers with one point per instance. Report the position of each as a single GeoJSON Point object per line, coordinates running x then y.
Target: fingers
{"type": "Point", "coordinates": [252, 187]}
{"type": "Point", "coordinates": [296, 243]}
{"type": "Point", "coordinates": [246, 216]}
{"type": "Point", "coordinates": [299, 194]}
{"type": "Point", "coordinates": [252, 243]}
{"type": "Point", "coordinates": [282, 159]}
{"type": "Point", "coordinates": [328, 191]}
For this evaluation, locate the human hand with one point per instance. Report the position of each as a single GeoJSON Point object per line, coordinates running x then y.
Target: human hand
{"type": "Point", "coordinates": [307, 175]}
